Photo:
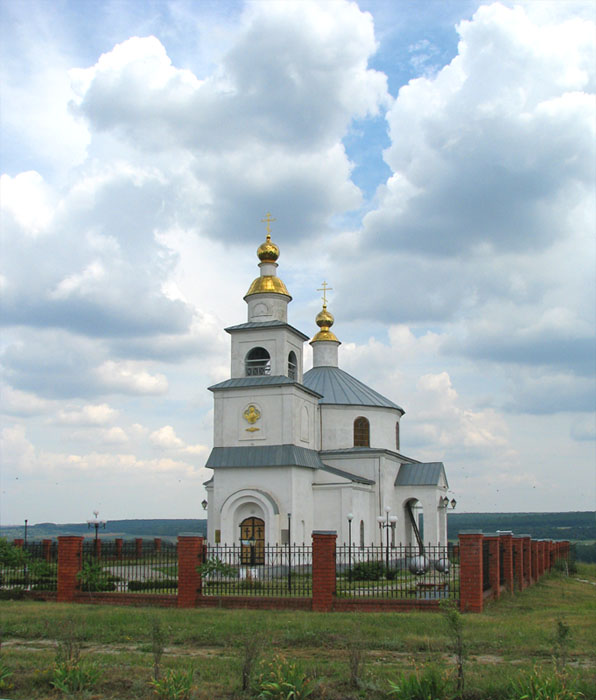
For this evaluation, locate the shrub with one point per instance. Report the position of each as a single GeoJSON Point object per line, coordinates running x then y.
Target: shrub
{"type": "Point", "coordinates": [217, 567]}
{"type": "Point", "coordinates": [93, 578]}
{"type": "Point", "coordinates": [153, 584]}
{"type": "Point", "coordinates": [544, 685]}
{"type": "Point", "coordinates": [428, 684]}
{"type": "Point", "coordinates": [74, 676]}
{"type": "Point", "coordinates": [175, 684]}
{"type": "Point", "coordinates": [281, 679]}
{"type": "Point", "coordinates": [367, 571]}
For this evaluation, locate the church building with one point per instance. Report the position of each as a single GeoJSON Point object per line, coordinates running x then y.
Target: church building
{"type": "Point", "coordinates": [298, 451]}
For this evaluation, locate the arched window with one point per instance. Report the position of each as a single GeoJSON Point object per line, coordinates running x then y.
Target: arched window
{"type": "Point", "coordinates": [397, 436]}
{"type": "Point", "coordinates": [361, 432]}
{"type": "Point", "coordinates": [292, 365]}
{"type": "Point", "coordinates": [257, 362]}
{"type": "Point", "coordinates": [362, 534]}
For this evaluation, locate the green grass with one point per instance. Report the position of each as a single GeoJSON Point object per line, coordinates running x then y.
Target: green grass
{"type": "Point", "coordinates": [510, 638]}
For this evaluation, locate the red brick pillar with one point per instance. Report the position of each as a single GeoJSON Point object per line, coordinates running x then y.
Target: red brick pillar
{"type": "Point", "coordinates": [542, 555]}
{"type": "Point", "coordinates": [70, 554]}
{"type": "Point", "coordinates": [534, 551]}
{"type": "Point", "coordinates": [47, 549]}
{"type": "Point", "coordinates": [507, 545]}
{"type": "Point", "coordinates": [157, 544]}
{"type": "Point", "coordinates": [527, 544]}
{"type": "Point", "coordinates": [518, 558]}
{"type": "Point", "coordinates": [494, 572]}
{"type": "Point", "coordinates": [97, 548]}
{"type": "Point", "coordinates": [323, 569]}
{"type": "Point", "coordinates": [190, 555]}
{"type": "Point", "coordinates": [551, 555]}
{"type": "Point", "coordinates": [139, 546]}
{"type": "Point", "coordinates": [118, 543]}
{"type": "Point", "coordinates": [470, 571]}
{"type": "Point", "coordinates": [18, 543]}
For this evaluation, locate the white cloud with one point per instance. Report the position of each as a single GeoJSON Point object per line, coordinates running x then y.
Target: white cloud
{"type": "Point", "coordinates": [90, 414]}
{"type": "Point", "coordinates": [129, 377]}
{"type": "Point", "coordinates": [29, 200]}
{"type": "Point", "coordinates": [166, 438]}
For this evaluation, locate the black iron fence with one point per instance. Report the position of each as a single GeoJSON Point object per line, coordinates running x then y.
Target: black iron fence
{"type": "Point", "coordinates": [485, 566]}
{"type": "Point", "coordinates": [32, 567]}
{"type": "Point", "coordinates": [266, 570]}
{"type": "Point", "coordinates": [399, 571]}
{"type": "Point", "coordinates": [129, 567]}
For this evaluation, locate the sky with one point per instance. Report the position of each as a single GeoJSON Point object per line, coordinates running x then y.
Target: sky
{"type": "Point", "coordinates": [433, 161]}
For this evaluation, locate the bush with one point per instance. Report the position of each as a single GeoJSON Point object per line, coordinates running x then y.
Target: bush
{"type": "Point", "coordinates": [544, 685]}
{"type": "Point", "coordinates": [281, 679]}
{"type": "Point", "coordinates": [175, 684]}
{"type": "Point", "coordinates": [367, 571]}
{"type": "Point", "coordinates": [153, 584]}
{"type": "Point", "coordinates": [93, 578]}
{"type": "Point", "coordinates": [428, 684]}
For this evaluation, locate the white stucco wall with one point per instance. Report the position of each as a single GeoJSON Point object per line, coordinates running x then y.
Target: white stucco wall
{"type": "Point", "coordinates": [281, 422]}
{"type": "Point", "coordinates": [338, 426]}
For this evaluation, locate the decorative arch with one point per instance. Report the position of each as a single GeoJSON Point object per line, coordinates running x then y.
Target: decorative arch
{"type": "Point", "coordinates": [292, 365]}
{"type": "Point", "coordinates": [361, 432]}
{"type": "Point", "coordinates": [257, 362]}
{"type": "Point", "coordinates": [247, 503]}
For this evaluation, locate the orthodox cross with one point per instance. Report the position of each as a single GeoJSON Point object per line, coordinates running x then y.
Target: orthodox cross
{"type": "Point", "coordinates": [325, 288]}
{"type": "Point", "coordinates": [267, 220]}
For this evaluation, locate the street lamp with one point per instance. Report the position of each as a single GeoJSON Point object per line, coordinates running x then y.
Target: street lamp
{"type": "Point", "coordinates": [204, 504]}
{"type": "Point", "coordinates": [350, 518]}
{"type": "Point", "coordinates": [289, 552]}
{"type": "Point", "coordinates": [386, 522]}
{"type": "Point", "coordinates": [96, 523]}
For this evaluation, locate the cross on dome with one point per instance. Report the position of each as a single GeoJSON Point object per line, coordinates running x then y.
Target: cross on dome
{"type": "Point", "coordinates": [325, 288]}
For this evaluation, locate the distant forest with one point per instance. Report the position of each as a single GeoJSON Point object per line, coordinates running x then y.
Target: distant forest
{"type": "Point", "coordinates": [575, 526]}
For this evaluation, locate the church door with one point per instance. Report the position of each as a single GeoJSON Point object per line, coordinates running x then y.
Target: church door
{"type": "Point", "coordinates": [252, 538]}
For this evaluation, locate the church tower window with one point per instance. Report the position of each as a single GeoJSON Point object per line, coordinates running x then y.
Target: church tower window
{"type": "Point", "coordinates": [292, 365]}
{"type": "Point", "coordinates": [361, 432]}
{"type": "Point", "coordinates": [397, 436]}
{"type": "Point", "coordinates": [257, 362]}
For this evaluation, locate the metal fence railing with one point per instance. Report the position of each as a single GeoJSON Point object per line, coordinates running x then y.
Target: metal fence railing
{"type": "Point", "coordinates": [265, 570]}
{"type": "Point", "coordinates": [126, 567]}
{"type": "Point", "coordinates": [400, 571]}
{"type": "Point", "coordinates": [485, 566]}
{"type": "Point", "coordinates": [32, 567]}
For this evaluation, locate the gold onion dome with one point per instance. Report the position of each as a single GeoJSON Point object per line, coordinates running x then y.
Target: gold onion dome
{"type": "Point", "coordinates": [268, 251]}
{"type": "Point", "coordinates": [324, 321]}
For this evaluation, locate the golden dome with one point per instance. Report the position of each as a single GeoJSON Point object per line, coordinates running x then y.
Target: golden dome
{"type": "Point", "coordinates": [267, 284]}
{"type": "Point", "coordinates": [324, 321]}
{"type": "Point", "coordinates": [268, 251]}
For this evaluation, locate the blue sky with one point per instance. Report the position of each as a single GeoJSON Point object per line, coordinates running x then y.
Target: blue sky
{"type": "Point", "coordinates": [433, 161]}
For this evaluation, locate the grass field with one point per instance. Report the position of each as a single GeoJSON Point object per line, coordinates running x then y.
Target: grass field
{"type": "Point", "coordinates": [346, 655]}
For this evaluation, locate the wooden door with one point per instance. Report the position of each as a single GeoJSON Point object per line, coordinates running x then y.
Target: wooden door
{"type": "Point", "coordinates": [252, 538]}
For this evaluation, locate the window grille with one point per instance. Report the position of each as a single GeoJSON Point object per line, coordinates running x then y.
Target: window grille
{"type": "Point", "coordinates": [258, 363]}
{"type": "Point", "coordinates": [361, 432]}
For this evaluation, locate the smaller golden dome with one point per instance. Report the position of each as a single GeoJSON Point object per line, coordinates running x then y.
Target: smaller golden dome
{"type": "Point", "coordinates": [324, 321]}
{"type": "Point", "coordinates": [268, 251]}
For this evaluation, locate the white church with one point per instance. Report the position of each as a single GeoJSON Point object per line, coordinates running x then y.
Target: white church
{"type": "Point", "coordinates": [298, 451]}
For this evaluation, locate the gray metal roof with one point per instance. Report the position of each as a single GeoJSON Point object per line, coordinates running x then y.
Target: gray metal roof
{"type": "Point", "coordinates": [347, 475]}
{"type": "Point", "coordinates": [274, 456]}
{"type": "Point", "coordinates": [251, 325]}
{"type": "Point", "coordinates": [340, 388]}
{"type": "Point", "coordinates": [366, 451]}
{"type": "Point", "coordinates": [422, 474]}
{"type": "Point", "coordinates": [264, 456]}
{"type": "Point", "coordinates": [262, 380]}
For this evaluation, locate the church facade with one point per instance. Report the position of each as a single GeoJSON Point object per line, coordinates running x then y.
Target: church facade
{"type": "Point", "coordinates": [298, 451]}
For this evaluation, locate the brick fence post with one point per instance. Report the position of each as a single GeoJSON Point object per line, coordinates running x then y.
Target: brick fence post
{"type": "Point", "coordinates": [518, 558]}
{"type": "Point", "coordinates": [157, 544]}
{"type": "Point", "coordinates": [18, 543]}
{"type": "Point", "coordinates": [534, 551]}
{"type": "Point", "coordinates": [507, 544]}
{"type": "Point", "coordinates": [47, 549]}
{"type": "Point", "coordinates": [190, 555]}
{"type": "Point", "coordinates": [527, 548]}
{"type": "Point", "coordinates": [70, 555]}
{"type": "Point", "coordinates": [323, 569]}
{"type": "Point", "coordinates": [139, 546]}
{"type": "Point", "coordinates": [494, 569]}
{"type": "Point", "coordinates": [118, 543]}
{"type": "Point", "coordinates": [470, 571]}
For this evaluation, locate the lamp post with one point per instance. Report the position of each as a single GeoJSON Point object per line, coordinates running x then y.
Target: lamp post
{"type": "Point", "coordinates": [26, 521]}
{"type": "Point", "coordinates": [204, 504]}
{"type": "Point", "coordinates": [386, 522]}
{"type": "Point", "coordinates": [96, 522]}
{"type": "Point", "coordinates": [350, 518]}
{"type": "Point", "coordinates": [289, 552]}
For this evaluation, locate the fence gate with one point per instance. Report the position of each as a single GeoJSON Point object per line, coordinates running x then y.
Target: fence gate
{"type": "Point", "coordinates": [252, 538]}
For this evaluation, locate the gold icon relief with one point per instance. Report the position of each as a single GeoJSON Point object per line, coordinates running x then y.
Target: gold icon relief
{"type": "Point", "coordinates": [252, 415]}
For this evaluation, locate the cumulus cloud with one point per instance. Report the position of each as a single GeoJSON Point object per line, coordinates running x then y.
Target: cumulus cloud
{"type": "Point", "coordinates": [90, 414]}
{"type": "Point", "coordinates": [130, 378]}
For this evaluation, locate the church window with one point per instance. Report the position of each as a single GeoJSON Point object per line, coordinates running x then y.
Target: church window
{"type": "Point", "coordinates": [362, 534]}
{"type": "Point", "coordinates": [361, 432]}
{"type": "Point", "coordinates": [292, 366]}
{"type": "Point", "coordinates": [257, 363]}
{"type": "Point", "coordinates": [397, 435]}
